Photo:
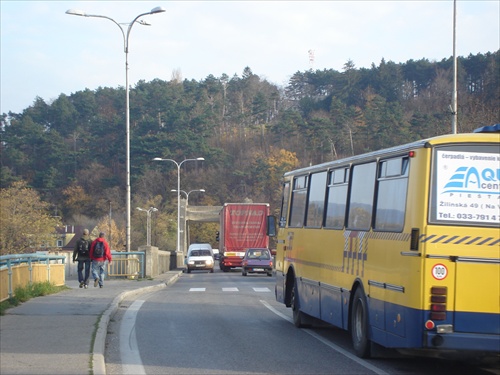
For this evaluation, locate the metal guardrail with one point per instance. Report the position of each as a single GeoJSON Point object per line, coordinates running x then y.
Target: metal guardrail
{"type": "Point", "coordinates": [19, 270]}
{"type": "Point", "coordinates": [127, 264]}
{"type": "Point", "coordinates": [23, 269]}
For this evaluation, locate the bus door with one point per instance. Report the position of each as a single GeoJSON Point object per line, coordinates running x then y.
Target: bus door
{"type": "Point", "coordinates": [283, 245]}
{"type": "Point", "coordinates": [477, 294]}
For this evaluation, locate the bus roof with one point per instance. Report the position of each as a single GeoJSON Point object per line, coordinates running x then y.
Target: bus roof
{"type": "Point", "coordinates": [479, 137]}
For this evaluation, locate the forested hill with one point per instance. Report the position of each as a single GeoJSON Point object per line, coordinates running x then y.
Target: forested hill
{"type": "Point", "coordinates": [72, 150]}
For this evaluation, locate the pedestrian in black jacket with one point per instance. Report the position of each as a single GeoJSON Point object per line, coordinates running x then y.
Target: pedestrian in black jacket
{"type": "Point", "coordinates": [81, 254]}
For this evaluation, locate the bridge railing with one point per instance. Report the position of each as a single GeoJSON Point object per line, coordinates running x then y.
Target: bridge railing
{"type": "Point", "coordinates": [20, 270]}
{"type": "Point", "coordinates": [127, 264]}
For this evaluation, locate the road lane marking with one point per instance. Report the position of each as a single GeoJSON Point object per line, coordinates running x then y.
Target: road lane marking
{"type": "Point", "coordinates": [231, 289]}
{"type": "Point", "coordinates": [329, 343]}
{"type": "Point", "coordinates": [129, 351]}
{"type": "Point", "coordinates": [261, 289]}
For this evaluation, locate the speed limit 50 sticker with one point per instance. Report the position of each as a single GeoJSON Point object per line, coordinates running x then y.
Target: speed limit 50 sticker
{"type": "Point", "coordinates": [439, 271]}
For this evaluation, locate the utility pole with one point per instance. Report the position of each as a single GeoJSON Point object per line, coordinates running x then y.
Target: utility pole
{"type": "Point", "coordinates": [454, 94]}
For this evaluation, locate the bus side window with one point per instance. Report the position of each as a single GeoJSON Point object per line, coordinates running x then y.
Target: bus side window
{"type": "Point", "coordinates": [391, 195]}
{"type": "Point", "coordinates": [284, 204]}
{"type": "Point", "coordinates": [316, 203]}
{"type": "Point", "coordinates": [337, 198]}
{"type": "Point", "coordinates": [361, 198]}
{"type": "Point", "coordinates": [298, 205]}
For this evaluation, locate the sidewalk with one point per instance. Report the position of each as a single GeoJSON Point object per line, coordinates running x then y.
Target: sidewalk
{"type": "Point", "coordinates": [53, 334]}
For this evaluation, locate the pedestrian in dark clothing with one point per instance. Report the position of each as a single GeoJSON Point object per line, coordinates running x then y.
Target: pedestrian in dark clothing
{"type": "Point", "coordinates": [99, 253]}
{"type": "Point", "coordinates": [81, 254]}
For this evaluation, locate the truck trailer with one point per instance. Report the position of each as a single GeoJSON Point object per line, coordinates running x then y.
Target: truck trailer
{"type": "Point", "coordinates": [242, 226]}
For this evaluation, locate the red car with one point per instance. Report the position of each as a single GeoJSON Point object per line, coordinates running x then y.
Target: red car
{"type": "Point", "coordinates": [257, 261]}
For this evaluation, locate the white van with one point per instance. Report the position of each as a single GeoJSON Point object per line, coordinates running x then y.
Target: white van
{"type": "Point", "coordinates": [200, 257]}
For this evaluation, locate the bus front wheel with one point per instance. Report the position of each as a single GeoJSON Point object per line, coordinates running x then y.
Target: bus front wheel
{"type": "Point", "coordinates": [359, 325]}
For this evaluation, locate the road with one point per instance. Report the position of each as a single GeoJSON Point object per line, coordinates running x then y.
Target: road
{"type": "Point", "coordinates": [224, 323]}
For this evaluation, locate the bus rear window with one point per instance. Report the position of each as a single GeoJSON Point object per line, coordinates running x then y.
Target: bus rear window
{"type": "Point", "coordinates": [466, 185]}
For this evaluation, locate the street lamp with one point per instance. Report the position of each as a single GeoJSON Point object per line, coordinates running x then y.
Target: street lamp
{"type": "Point", "coordinates": [148, 225]}
{"type": "Point", "coordinates": [77, 12]}
{"type": "Point", "coordinates": [454, 92]}
{"type": "Point", "coordinates": [178, 195]}
{"type": "Point", "coordinates": [187, 194]}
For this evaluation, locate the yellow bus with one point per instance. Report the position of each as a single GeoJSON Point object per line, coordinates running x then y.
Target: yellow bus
{"type": "Point", "coordinates": [400, 246]}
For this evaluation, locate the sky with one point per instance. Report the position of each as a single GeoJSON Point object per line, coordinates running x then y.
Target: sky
{"type": "Point", "coordinates": [46, 52]}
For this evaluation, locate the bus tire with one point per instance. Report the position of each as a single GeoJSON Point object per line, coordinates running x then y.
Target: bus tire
{"type": "Point", "coordinates": [298, 316]}
{"type": "Point", "coordinates": [359, 325]}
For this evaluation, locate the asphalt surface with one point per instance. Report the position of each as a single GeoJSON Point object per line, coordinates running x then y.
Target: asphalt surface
{"type": "Point", "coordinates": [55, 334]}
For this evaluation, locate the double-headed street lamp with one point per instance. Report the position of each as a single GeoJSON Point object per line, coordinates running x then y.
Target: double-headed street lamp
{"type": "Point", "coordinates": [178, 194]}
{"type": "Point", "coordinates": [148, 222]}
{"type": "Point", "coordinates": [187, 194]}
{"type": "Point", "coordinates": [76, 12]}
{"type": "Point", "coordinates": [185, 236]}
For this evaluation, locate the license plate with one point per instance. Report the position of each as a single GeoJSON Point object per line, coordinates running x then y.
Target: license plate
{"type": "Point", "coordinates": [259, 269]}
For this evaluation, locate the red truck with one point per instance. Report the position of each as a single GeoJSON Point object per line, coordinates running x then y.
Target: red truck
{"type": "Point", "coordinates": [242, 226]}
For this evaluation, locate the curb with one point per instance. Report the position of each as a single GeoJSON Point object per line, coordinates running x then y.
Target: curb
{"type": "Point", "coordinates": [98, 363]}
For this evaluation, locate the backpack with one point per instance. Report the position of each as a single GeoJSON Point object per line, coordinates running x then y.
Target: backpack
{"type": "Point", "coordinates": [99, 249]}
{"type": "Point", "coordinates": [83, 248]}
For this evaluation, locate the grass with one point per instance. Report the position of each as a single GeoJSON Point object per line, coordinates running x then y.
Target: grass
{"type": "Point", "coordinates": [23, 294]}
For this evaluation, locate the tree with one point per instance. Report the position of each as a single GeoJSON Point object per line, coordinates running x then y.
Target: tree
{"type": "Point", "coordinates": [25, 220]}
{"type": "Point", "coordinates": [72, 149]}
{"type": "Point", "coordinates": [115, 236]}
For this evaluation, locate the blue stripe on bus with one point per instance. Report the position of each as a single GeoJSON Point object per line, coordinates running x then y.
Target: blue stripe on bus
{"type": "Point", "coordinates": [397, 326]}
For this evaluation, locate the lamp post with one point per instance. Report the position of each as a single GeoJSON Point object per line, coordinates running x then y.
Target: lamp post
{"type": "Point", "coordinates": [454, 108]}
{"type": "Point", "coordinates": [185, 236]}
{"type": "Point", "coordinates": [187, 194]}
{"type": "Point", "coordinates": [178, 194]}
{"type": "Point", "coordinates": [148, 223]}
{"type": "Point", "coordinates": [76, 12]}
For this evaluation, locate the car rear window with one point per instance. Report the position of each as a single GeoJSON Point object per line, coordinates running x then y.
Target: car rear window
{"type": "Point", "coordinates": [259, 254]}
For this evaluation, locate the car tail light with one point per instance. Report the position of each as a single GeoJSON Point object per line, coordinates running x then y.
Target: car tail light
{"type": "Point", "coordinates": [438, 303]}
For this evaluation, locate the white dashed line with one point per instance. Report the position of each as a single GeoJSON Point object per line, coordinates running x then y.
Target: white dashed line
{"type": "Point", "coordinates": [261, 289]}
{"type": "Point", "coordinates": [231, 289]}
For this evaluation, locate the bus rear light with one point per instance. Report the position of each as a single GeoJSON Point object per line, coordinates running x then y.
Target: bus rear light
{"type": "Point", "coordinates": [411, 154]}
{"type": "Point", "coordinates": [438, 315]}
{"type": "Point", "coordinates": [438, 299]}
{"type": "Point", "coordinates": [438, 307]}
{"type": "Point", "coordinates": [438, 303]}
{"type": "Point", "coordinates": [441, 290]}
{"type": "Point", "coordinates": [429, 325]}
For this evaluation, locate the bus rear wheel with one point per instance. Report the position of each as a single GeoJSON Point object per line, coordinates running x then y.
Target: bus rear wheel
{"type": "Point", "coordinates": [299, 319]}
{"type": "Point", "coordinates": [359, 325]}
